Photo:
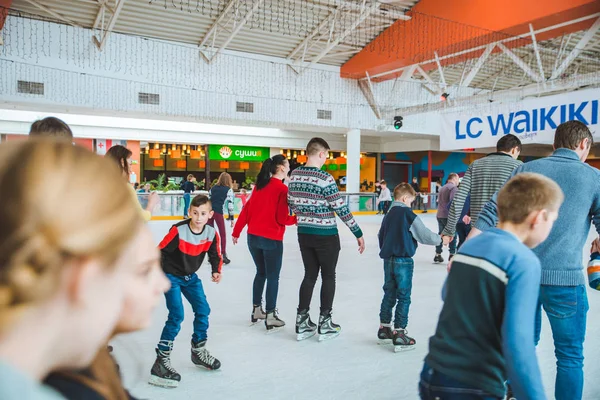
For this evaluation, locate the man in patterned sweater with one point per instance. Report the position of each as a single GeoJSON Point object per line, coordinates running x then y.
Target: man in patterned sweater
{"type": "Point", "coordinates": [314, 198]}
{"type": "Point", "coordinates": [483, 178]}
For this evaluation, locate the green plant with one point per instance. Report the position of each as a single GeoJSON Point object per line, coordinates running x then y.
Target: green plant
{"type": "Point", "coordinates": [172, 186]}
{"type": "Point", "coordinates": [199, 185]}
{"type": "Point", "coordinates": [214, 183]}
{"type": "Point", "coordinates": [159, 183]}
{"type": "Point", "coordinates": [247, 184]}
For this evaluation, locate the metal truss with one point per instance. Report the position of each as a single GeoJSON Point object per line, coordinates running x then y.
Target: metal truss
{"type": "Point", "coordinates": [105, 20]}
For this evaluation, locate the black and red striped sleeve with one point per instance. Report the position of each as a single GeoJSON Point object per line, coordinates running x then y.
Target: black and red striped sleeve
{"type": "Point", "coordinates": [214, 254]}
{"type": "Point", "coordinates": [171, 241]}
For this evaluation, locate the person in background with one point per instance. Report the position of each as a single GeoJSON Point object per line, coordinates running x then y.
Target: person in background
{"type": "Point", "coordinates": [51, 126]}
{"type": "Point", "coordinates": [445, 197]}
{"type": "Point", "coordinates": [144, 189]}
{"type": "Point", "coordinates": [219, 195]}
{"type": "Point", "coordinates": [230, 211]}
{"type": "Point", "coordinates": [122, 157]}
{"type": "Point", "coordinates": [66, 260]}
{"type": "Point", "coordinates": [235, 185]}
{"type": "Point", "coordinates": [267, 216]}
{"type": "Point", "coordinates": [188, 188]}
{"type": "Point", "coordinates": [483, 178]}
{"type": "Point", "coordinates": [385, 198]}
{"type": "Point", "coordinates": [136, 186]}
{"type": "Point", "coordinates": [399, 234]}
{"type": "Point", "coordinates": [243, 197]}
{"type": "Point", "coordinates": [378, 193]}
{"type": "Point", "coordinates": [563, 292]}
{"type": "Point", "coordinates": [415, 185]}
{"type": "Point", "coordinates": [485, 331]}
{"type": "Point", "coordinates": [315, 200]}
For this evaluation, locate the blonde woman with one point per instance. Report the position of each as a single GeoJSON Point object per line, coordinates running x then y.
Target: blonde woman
{"type": "Point", "coordinates": [219, 194]}
{"type": "Point", "coordinates": [68, 253]}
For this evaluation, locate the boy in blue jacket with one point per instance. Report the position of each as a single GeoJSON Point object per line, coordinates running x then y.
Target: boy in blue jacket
{"type": "Point", "coordinates": [400, 231]}
{"type": "Point", "coordinates": [485, 333]}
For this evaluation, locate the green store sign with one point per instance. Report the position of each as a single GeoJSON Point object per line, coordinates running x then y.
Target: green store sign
{"type": "Point", "coordinates": [238, 153]}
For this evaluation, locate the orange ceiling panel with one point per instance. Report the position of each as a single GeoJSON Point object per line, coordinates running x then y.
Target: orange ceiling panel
{"type": "Point", "coordinates": [448, 27]}
{"type": "Point", "coordinates": [4, 6]}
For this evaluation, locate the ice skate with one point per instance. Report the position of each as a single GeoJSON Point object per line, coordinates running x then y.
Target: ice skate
{"type": "Point", "coordinates": [257, 315]}
{"type": "Point", "coordinates": [273, 323]}
{"type": "Point", "coordinates": [327, 329]}
{"type": "Point", "coordinates": [305, 328]}
{"type": "Point", "coordinates": [403, 342]}
{"type": "Point", "coordinates": [385, 334]}
{"type": "Point", "coordinates": [162, 373]}
{"type": "Point", "coordinates": [202, 358]}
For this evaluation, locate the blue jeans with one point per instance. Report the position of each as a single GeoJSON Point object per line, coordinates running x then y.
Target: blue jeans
{"type": "Point", "coordinates": [442, 222]}
{"type": "Point", "coordinates": [462, 231]}
{"type": "Point", "coordinates": [398, 273]}
{"type": "Point", "coordinates": [191, 287]}
{"type": "Point", "coordinates": [436, 386]}
{"type": "Point", "coordinates": [566, 308]}
{"type": "Point", "coordinates": [267, 255]}
{"type": "Point", "coordinates": [187, 199]}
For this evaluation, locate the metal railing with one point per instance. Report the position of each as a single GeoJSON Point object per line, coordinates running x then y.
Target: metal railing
{"type": "Point", "coordinates": [171, 204]}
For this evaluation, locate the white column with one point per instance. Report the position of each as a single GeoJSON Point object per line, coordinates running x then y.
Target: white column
{"type": "Point", "coordinates": [353, 157]}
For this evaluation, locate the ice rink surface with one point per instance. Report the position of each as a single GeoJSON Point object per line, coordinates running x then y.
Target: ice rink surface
{"type": "Point", "coordinates": [353, 366]}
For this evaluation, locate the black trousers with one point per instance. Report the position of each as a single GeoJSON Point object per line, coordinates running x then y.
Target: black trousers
{"type": "Point", "coordinates": [319, 253]}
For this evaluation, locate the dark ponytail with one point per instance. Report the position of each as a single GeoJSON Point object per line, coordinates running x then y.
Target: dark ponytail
{"type": "Point", "coordinates": [268, 169]}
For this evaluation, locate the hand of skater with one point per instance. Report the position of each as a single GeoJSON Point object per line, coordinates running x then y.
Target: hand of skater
{"type": "Point", "coordinates": [449, 266]}
{"type": "Point", "coordinates": [216, 277]}
{"type": "Point", "coordinates": [595, 246]}
{"type": "Point", "coordinates": [153, 200]}
{"type": "Point", "coordinates": [361, 244]}
{"type": "Point", "coordinates": [467, 220]}
{"type": "Point", "coordinates": [234, 239]}
{"type": "Point", "coordinates": [446, 240]}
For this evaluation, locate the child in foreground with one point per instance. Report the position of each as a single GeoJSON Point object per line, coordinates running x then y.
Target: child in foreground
{"type": "Point", "coordinates": [485, 333]}
{"type": "Point", "coordinates": [183, 251]}
{"type": "Point", "coordinates": [400, 231]}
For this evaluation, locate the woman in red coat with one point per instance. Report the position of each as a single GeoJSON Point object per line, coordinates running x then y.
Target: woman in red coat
{"type": "Point", "coordinates": [266, 215]}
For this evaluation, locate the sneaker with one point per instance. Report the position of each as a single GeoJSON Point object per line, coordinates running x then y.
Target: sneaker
{"type": "Point", "coordinates": [257, 314]}
{"type": "Point", "coordinates": [328, 329]}
{"type": "Point", "coordinates": [305, 328]}
{"type": "Point", "coordinates": [403, 342]}
{"type": "Point", "coordinates": [273, 323]}
{"type": "Point", "coordinates": [225, 259]}
{"type": "Point", "coordinates": [163, 374]}
{"type": "Point", "coordinates": [202, 358]}
{"type": "Point", "coordinates": [385, 334]}
{"type": "Point", "coordinates": [438, 258]}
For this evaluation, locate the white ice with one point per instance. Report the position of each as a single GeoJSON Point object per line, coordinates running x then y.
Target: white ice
{"type": "Point", "coordinates": [353, 366]}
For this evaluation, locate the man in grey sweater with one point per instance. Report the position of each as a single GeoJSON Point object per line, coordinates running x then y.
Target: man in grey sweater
{"type": "Point", "coordinates": [563, 291]}
{"type": "Point", "coordinates": [445, 197]}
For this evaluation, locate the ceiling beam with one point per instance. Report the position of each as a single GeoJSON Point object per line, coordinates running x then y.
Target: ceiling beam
{"type": "Point", "coordinates": [482, 59]}
{"type": "Point", "coordinates": [53, 13]}
{"type": "Point", "coordinates": [100, 43]}
{"type": "Point", "coordinates": [517, 60]}
{"type": "Point", "coordinates": [578, 49]}
{"type": "Point", "coordinates": [213, 29]}
{"type": "Point", "coordinates": [537, 54]}
{"type": "Point", "coordinates": [315, 32]}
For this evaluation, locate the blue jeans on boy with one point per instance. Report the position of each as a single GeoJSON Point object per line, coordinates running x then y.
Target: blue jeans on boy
{"type": "Point", "coordinates": [435, 385]}
{"type": "Point", "coordinates": [191, 287]}
{"type": "Point", "coordinates": [397, 287]}
{"type": "Point", "coordinates": [566, 308]}
{"type": "Point", "coordinates": [267, 255]}
{"type": "Point", "coordinates": [187, 199]}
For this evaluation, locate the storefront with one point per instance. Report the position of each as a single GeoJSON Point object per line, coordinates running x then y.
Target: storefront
{"type": "Point", "coordinates": [177, 161]}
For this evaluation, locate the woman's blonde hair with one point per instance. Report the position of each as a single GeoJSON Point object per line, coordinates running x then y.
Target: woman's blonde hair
{"type": "Point", "coordinates": [225, 180]}
{"type": "Point", "coordinates": [51, 214]}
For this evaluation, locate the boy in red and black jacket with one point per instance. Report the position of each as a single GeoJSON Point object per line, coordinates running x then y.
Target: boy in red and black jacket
{"type": "Point", "coordinates": [182, 252]}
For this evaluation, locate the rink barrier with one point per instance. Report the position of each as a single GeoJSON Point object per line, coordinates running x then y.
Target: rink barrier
{"type": "Point", "coordinates": [170, 206]}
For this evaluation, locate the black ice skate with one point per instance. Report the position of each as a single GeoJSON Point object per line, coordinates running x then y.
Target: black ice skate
{"type": "Point", "coordinates": [225, 259]}
{"type": "Point", "coordinates": [385, 334]}
{"type": "Point", "coordinates": [202, 358]}
{"type": "Point", "coordinates": [403, 342]}
{"type": "Point", "coordinates": [257, 314]}
{"type": "Point", "coordinates": [162, 373]}
{"type": "Point", "coordinates": [305, 328]}
{"type": "Point", "coordinates": [438, 258]}
{"type": "Point", "coordinates": [327, 329]}
{"type": "Point", "coordinates": [273, 323]}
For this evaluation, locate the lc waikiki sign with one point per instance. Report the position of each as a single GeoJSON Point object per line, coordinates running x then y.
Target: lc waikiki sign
{"type": "Point", "coordinates": [237, 153]}
{"type": "Point", "coordinates": [532, 120]}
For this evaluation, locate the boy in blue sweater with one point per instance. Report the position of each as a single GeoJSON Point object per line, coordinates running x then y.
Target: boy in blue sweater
{"type": "Point", "coordinates": [400, 231]}
{"type": "Point", "coordinates": [485, 330]}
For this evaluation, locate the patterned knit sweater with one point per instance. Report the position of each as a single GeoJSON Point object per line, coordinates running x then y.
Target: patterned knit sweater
{"type": "Point", "coordinates": [314, 197]}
